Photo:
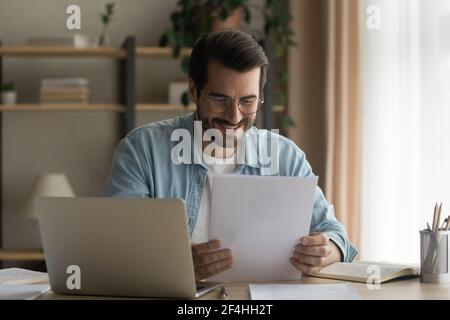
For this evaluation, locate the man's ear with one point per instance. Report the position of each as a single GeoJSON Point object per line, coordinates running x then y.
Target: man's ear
{"type": "Point", "coordinates": [192, 91]}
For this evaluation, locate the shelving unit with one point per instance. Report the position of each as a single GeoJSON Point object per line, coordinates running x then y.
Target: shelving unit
{"type": "Point", "coordinates": [127, 107]}
{"type": "Point", "coordinates": [127, 71]}
{"type": "Point", "coordinates": [128, 53]}
{"type": "Point", "coordinates": [64, 107]}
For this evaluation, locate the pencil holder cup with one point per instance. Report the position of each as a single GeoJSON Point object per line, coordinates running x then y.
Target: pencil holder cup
{"type": "Point", "coordinates": [434, 256]}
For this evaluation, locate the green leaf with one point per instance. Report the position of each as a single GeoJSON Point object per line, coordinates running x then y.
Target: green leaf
{"type": "Point", "coordinates": [292, 43]}
{"type": "Point", "coordinates": [105, 19]}
{"type": "Point", "coordinates": [278, 50]}
{"type": "Point", "coordinates": [287, 122]}
{"type": "Point", "coordinates": [208, 24]}
{"type": "Point", "coordinates": [224, 13]}
{"type": "Point", "coordinates": [176, 51]}
{"type": "Point", "coordinates": [185, 99]}
{"type": "Point", "coordinates": [110, 8]}
{"type": "Point", "coordinates": [9, 86]}
{"type": "Point", "coordinates": [164, 40]}
{"type": "Point", "coordinates": [247, 15]}
{"type": "Point", "coordinates": [283, 75]}
{"type": "Point", "coordinates": [280, 99]}
{"type": "Point", "coordinates": [185, 64]}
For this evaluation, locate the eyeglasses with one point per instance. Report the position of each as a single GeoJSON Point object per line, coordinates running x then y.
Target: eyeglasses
{"type": "Point", "coordinates": [220, 104]}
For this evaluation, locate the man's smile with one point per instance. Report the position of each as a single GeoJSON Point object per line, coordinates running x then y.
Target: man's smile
{"type": "Point", "coordinates": [223, 126]}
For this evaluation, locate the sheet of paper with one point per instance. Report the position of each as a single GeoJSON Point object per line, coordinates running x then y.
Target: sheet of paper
{"type": "Point", "coordinates": [22, 291]}
{"type": "Point", "coordinates": [22, 276]}
{"type": "Point", "coordinates": [335, 291]}
{"type": "Point", "coordinates": [261, 219]}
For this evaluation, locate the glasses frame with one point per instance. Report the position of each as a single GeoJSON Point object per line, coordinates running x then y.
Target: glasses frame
{"type": "Point", "coordinates": [260, 102]}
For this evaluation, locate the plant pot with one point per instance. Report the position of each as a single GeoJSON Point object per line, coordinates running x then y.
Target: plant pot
{"type": "Point", "coordinates": [9, 97]}
{"type": "Point", "coordinates": [232, 22]}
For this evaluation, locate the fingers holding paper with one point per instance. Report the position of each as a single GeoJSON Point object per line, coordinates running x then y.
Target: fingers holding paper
{"type": "Point", "coordinates": [210, 259]}
{"type": "Point", "coordinates": [314, 252]}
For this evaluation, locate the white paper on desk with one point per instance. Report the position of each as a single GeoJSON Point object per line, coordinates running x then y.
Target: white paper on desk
{"type": "Point", "coordinates": [261, 219]}
{"type": "Point", "coordinates": [22, 276]}
{"type": "Point", "coordinates": [22, 291]}
{"type": "Point", "coordinates": [335, 291]}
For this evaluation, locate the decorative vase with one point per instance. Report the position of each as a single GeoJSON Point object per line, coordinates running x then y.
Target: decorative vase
{"type": "Point", "coordinates": [9, 97]}
{"type": "Point", "coordinates": [104, 39]}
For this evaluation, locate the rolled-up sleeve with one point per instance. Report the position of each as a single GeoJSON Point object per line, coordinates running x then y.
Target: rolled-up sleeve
{"type": "Point", "coordinates": [324, 220]}
{"type": "Point", "coordinates": [323, 217]}
{"type": "Point", "coordinates": [127, 177]}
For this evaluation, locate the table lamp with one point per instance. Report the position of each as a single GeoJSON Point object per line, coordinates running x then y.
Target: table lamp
{"type": "Point", "coordinates": [48, 185]}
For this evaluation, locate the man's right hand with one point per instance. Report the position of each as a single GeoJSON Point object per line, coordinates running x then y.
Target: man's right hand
{"type": "Point", "coordinates": [210, 259]}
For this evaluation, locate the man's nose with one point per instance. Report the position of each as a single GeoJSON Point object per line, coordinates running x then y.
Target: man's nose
{"type": "Point", "coordinates": [234, 114]}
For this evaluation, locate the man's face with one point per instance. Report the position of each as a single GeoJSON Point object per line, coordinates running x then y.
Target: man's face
{"type": "Point", "coordinates": [225, 82]}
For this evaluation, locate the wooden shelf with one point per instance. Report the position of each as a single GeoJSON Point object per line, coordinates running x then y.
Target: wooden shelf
{"type": "Point", "coordinates": [164, 107]}
{"type": "Point", "coordinates": [20, 255]}
{"type": "Point", "coordinates": [178, 107]}
{"type": "Point", "coordinates": [159, 52]}
{"type": "Point", "coordinates": [63, 107]}
{"type": "Point", "coordinates": [35, 51]}
{"type": "Point", "coordinates": [118, 53]}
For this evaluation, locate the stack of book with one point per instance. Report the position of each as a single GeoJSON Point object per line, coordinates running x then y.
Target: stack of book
{"type": "Point", "coordinates": [64, 90]}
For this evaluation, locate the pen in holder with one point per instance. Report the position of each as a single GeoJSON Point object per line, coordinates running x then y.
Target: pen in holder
{"type": "Point", "coordinates": [434, 256]}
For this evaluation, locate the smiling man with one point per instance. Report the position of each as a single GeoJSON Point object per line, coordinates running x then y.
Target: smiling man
{"type": "Point", "coordinates": [227, 74]}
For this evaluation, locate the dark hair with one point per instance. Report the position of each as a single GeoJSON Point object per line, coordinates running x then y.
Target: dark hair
{"type": "Point", "coordinates": [234, 49]}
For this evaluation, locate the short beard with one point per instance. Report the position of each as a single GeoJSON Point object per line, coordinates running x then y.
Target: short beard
{"type": "Point", "coordinates": [247, 123]}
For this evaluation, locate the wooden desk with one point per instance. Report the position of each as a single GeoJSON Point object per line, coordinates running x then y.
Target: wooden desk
{"type": "Point", "coordinates": [411, 289]}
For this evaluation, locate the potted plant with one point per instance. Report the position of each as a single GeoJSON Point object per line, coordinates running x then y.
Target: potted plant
{"type": "Point", "coordinates": [192, 18]}
{"type": "Point", "coordinates": [9, 94]}
{"type": "Point", "coordinates": [106, 18]}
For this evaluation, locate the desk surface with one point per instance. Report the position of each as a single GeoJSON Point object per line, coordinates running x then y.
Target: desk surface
{"type": "Point", "coordinates": [410, 289]}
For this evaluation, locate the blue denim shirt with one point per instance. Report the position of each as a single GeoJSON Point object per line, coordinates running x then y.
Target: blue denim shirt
{"type": "Point", "coordinates": [142, 167]}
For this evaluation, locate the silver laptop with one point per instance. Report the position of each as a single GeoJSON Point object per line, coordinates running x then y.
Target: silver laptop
{"type": "Point", "coordinates": [118, 247]}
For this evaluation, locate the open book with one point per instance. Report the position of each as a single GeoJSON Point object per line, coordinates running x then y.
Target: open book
{"type": "Point", "coordinates": [361, 271]}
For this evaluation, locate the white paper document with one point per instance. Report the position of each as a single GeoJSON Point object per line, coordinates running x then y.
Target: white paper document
{"type": "Point", "coordinates": [22, 284]}
{"type": "Point", "coordinates": [22, 276]}
{"type": "Point", "coordinates": [22, 291]}
{"type": "Point", "coordinates": [261, 219]}
{"type": "Point", "coordinates": [335, 291]}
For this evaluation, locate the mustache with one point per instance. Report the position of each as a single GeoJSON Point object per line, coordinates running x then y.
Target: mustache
{"type": "Point", "coordinates": [244, 122]}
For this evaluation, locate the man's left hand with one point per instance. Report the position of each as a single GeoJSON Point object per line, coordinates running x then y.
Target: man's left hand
{"type": "Point", "coordinates": [314, 252]}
